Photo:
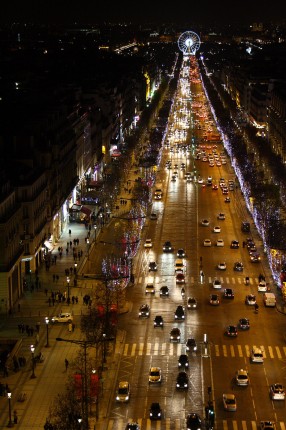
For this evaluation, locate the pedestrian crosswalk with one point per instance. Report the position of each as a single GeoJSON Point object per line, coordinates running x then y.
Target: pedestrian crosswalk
{"type": "Point", "coordinates": [225, 280]}
{"type": "Point", "coordinates": [178, 424]}
{"type": "Point", "coordinates": [215, 350]}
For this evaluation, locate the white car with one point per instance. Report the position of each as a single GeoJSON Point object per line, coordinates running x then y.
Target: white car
{"type": "Point", "coordinates": [148, 243]}
{"type": "Point", "coordinates": [267, 425]}
{"type": "Point", "coordinates": [221, 216]}
{"type": "Point", "coordinates": [205, 222]}
{"type": "Point", "coordinates": [216, 283]}
{"type": "Point", "coordinates": [241, 377]}
{"type": "Point", "coordinates": [207, 242]}
{"type": "Point", "coordinates": [262, 287]}
{"type": "Point", "coordinates": [220, 242]}
{"type": "Point", "coordinates": [277, 392]}
{"type": "Point", "coordinates": [64, 317]}
{"type": "Point", "coordinates": [216, 229]}
{"type": "Point", "coordinates": [221, 265]}
{"type": "Point", "coordinates": [229, 402]}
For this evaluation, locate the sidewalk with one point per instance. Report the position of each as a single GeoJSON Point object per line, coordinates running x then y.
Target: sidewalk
{"type": "Point", "coordinates": [35, 305]}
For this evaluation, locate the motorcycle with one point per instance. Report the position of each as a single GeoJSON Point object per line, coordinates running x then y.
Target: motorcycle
{"type": "Point", "coordinates": [256, 307]}
{"type": "Point", "coordinates": [183, 292]}
{"type": "Point", "coordinates": [246, 280]}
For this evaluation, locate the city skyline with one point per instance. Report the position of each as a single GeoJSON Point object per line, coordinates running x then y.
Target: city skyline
{"type": "Point", "coordinates": [208, 12]}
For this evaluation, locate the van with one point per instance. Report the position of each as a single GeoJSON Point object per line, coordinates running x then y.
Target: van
{"type": "Point", "coordinates": [269, 299]}
{"type": "Point", "coordinates": [179, 264]}
{"type": "Point", "coordinates": [256, 355]}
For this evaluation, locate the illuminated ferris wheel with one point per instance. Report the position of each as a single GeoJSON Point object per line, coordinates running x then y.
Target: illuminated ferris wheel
{"type": "Point", "coordinates": [189, 42]}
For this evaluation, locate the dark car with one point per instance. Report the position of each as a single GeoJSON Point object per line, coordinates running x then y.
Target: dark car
{"type": "Point", "coordinates": [180, 313]}
{"type": "Point", "coordinates": [144, 311]}
{"type": "Point", "coordinates": [183, 361]}
{"type": "Point", "coordinates": [164, 291]}
{"type": "Point", "coordinates": [228, 293]}
{"type": "Point", "coordinates": [244, 324]}
{"type": "Point", "coordinates": [132, 426]}
{"type": "Point", "coordinates": [193, 422]}
{"type": "Point", "coordinates": [158, 321]}
{"type": "Point", "coordinates": [255, 258]}
{"type": "Point", "coordinates": [238, 266]}
{"type": "Point", "coordinates": [175, 334]}
{"type": "Point", "coordinates": [155, 411]}
{"type": "Point", "coordinates": [152, 266]}
{"type": "Point", "coordinates": [191, 344]}
{"type": "Point", "coordinates": [167, 247]}
{"type": "Point", "coordinates": [234, 244]}
{"type": "Point", "coordinates": [180, 277]}
{"type": "Point", "coordinates": [181, 253]}
{"type": "Point", "coordinates": [182, 381]}
{"type": "Point", "coordinates": [231, 331]}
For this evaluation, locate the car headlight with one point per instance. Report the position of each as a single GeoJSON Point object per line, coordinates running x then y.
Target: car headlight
{"type": "Point", "coordinates": [159, 414]}
{"type": "Point", "coordinates": [151, 414]}
{"type": "Point", "coordinates": [185, 385]}
{"type": "Point", "coordinates": [178, 385]}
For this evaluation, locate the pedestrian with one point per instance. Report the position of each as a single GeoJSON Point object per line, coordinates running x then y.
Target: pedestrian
{"type": "Point", "coordinates": [69, 232]}
{"type": "Point", "coordinates": [57, 277]}
{"type": "Point", "coordinates": [37, 338]}
{"type": "Point", "coordinates": [38, 326]}
{"type": "Point", "coordinates": [70, 327]}
{"type": "Point", "coordinates": [46, 291]}
{"type": "Point", "coordinates": [66, 364]}
{"type": "Point", "coordinates": [73, 326]}
{"type": "Point", "coordinates": [67, 251]}
{"type": "Point", "coordinates": [70, 243]}
{"type": "Point", "coordinates": [15, 417]}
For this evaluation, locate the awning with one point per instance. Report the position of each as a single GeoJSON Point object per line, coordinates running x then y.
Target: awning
{"type": "Point", "coordinates": [48, 245]}
{"type": "Point", "coordinates": [85, 210]}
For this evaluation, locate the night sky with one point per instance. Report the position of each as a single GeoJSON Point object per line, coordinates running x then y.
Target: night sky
{"type": "Point", "coordinates": [142, 11]}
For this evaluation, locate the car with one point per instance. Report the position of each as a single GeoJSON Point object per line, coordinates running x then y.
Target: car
{"type": "Point", "coordinates": [132, 426]}
{"type": "Point", "coordinates": [180, 313]}
{"type": "Point", "coordinates": [220, 242]}
{"type": "Point", "coordinates": [255, 258]}
{"type": "Point", "coordinates": [192, 303]}
{"type": "Point", "coordinates": [152, 266]}
{"type": "Point", "coordinates": [174, 178]}
{"type": "Point", "coordinates": [153, 216]}
{"type": "Point", "coordinates": [155, 411]}
{"type": "Point", "coordinates": [216, 283]}
{"type": "Point", "coordinates": [214, 299]}
{"type": "Point", "coordinates": [234, 244]}
{"type": "Point", "coordinates": [164, 291]}
{"type": "Point", "coordinates": [148, 243]}
{"type": "Point", "coordinates": [231, 331]}
{"type": "Point", "coordinates": [205, 222]}
{"type": "Point", "coordinates": [227, 200]}
{"type": "Point", "coordinates": [183, 361]}
{"type": "Point", "coordinates": [250, 300]}
{"type": "Point", "coordinates": [175, 334]}
{"type": "Point", "coordinates": [182, 382]}
{"type": "Point", "coordinates": [262, 286]}
{"type": "Point", "coordinates": [193, 421]}
{"type": "Point", "coordinates": [64, 317]}
{"type": "Point", "coordinates": [191, 345]}
{"type": "Point", "coordinates": [229, 402]}
{"type": "Point", "coordinates": [216, 229]}
{"type": "Point", "coordinates": [241, 377]}
{"type": "Point", "coordinates": [267, 425]}
{"type": "Point", "coordinates": [238, 266]}
{"type": "Point", "coordinates": [256, 355]}
{"type": "Point", "coordinates": [155, 375]}
{"type": "Point", "coordinates": [144, 311]}
{"type": "Point", "coordinates": [181, 253]}
{"type": "Point", "coordinates": [158, 321]}
{"type": "Point", "coordinates": [123, 392]}
{"type": "Point", "coordinates": [180, 278]}
{"type": "Point", "coordinates": [167, 247]}
{"type": "Point", "coordinates": [214, 186]}
{"type": "Point", "coordinates": [244, 324]}
{"type": "Point", "coordinates": [221, 216]}
{"type": "Point", "coordinates": [207, 242]}
{"type": "Point", "coordinates": [228, 293]}
{"type": "Point", "coordinates": [150, 289]}
{"type": "Point", "coordinates": [277, 392]}
{"type": "Point", "coordinates": [221, 265]}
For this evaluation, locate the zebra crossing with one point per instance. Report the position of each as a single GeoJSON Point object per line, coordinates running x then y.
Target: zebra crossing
{"type": "Point", "coordinates": [225, 350]}
{"type": "Point", "coordinates": [178, 424]}
{"type": "Point", "coordinates": [227, 280]}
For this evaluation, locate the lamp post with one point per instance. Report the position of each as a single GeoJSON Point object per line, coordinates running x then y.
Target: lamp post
{"type": "Point", "coordinates": [47, 326]}
{"type": "Point", "coordinates": [103, 350]}
{"type": "Point", "coordinates": [33, 362]}
{"type": "Point", "coordinates": [75, 270]}
{"type": "Point", "coordinates": [68, 282]}
{"type": "Point", "coordinates": [95, 227]}
{"type": "Point", "coordinates": [9, 395]}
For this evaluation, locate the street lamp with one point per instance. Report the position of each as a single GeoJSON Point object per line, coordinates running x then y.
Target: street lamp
{"type": "Point", "coordinates": [47, 326]}
{"type": "Point", "coordinates": [68, 282]}
{"type": "Point", "coordinates": [9, 395]}
{"type": "Point", "coordinates": [33, 362]}
{"type": "Point", "coordinates": [75, 270]}
{"type": "Point", "coordinates": [104, 350]}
